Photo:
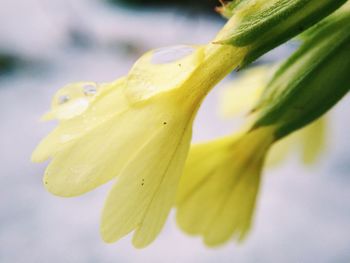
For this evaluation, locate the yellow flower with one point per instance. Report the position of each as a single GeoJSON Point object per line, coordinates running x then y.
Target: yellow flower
{"type": "Point", "coordinates": [217, 193]}
{"type": "Point", "coordinates": [240, 96]}
{"type": "Point", "coordinates": [137, 128]}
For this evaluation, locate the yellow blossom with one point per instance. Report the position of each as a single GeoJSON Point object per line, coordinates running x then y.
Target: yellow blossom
{"type": "Point", "coordinates": [245, 92]}
{"type": "Point", "coordinates": [217, 194]}
{"type": "Point", "coordinates": [137, 128]}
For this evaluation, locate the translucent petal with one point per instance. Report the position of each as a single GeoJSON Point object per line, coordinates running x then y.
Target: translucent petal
{"type": "Point", "coordinates": [217, 193]}
{"type": "Point", "coordinates": [281, 149]}
{"type": "Point", "coordinates": [99, 155]}
{"type": "Point", "coordinates": [164, 198]}
{"type": "Point", "coordinates": [109, 102]}
{"type": "Point", "coordinates": [240, 95]}
{"type": "Point", "coordinates": [313, 139]}
{"type": "Point", "coordinates": [72, 100]}
{"type": "Point", "coordinates": [197, 192]}
{"type": "Point", "coordinates": [145, 191]}
{"type": "Point", "coordinates": [162, 70]}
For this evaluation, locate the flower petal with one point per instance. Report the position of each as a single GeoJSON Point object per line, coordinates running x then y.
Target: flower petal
{"type": "Point", "coordinates": [99, 111]}
{"type": "Point", "coordinates": [99, 155]}
{"type": "Point", "coordinates": [240, 96]}
{"type": "Point", "coordinates": [313, 140]}
{"type": "Point", "coordinates": [145, 191]}
{"type": "Point", "coordinates": [162, 70]}
{"type": "Point", "coordinates": [217, 193]}
{"type": "Point", "coordinates": [281, 149]}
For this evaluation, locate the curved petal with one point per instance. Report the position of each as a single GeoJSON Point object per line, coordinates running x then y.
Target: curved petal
{"type": "Point", "coordinates": [313, 139]}
{"type": "Point", "coordinates": [145, 191]}
{"type": "Point", "coordinates": [99, 155]}
{"type": "Point", "coordinates": [98, 112]}
{"type": "Point", "coordinates": [217, 193]}
{"type": "Point", "coordinates": [240, 95]}
{"type": "Point", "coordinates": [281, 149]}
{"type": "Point", "coordinates": [162, 70]}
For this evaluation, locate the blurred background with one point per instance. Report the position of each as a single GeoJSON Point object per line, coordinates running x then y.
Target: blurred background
{"type": "Point", "coordinates": [303, 212]}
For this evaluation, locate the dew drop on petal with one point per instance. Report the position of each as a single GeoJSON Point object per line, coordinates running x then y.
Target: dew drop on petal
{"type": "Point", "coordinates": [73, 100]}
{"type": "Point", "coordinates": [162, 70]}
{"type": "Point", "coordinates": [171, 54]}
{"type": "Point", "coordinates": [63, 99]}
{"type": "Point", "coordinates": [90, 89]}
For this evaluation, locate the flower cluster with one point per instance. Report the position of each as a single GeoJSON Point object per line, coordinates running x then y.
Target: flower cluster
{"type": "Point", "coordinates": [137, 130]}
{"type": "Point", "coordinates": [217, 193]}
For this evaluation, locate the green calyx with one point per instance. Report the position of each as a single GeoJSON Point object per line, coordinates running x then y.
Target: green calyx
{"type": "Point", "coordinates": [264, 24]}
{"type": "Point", "coordinates": [312, 80]}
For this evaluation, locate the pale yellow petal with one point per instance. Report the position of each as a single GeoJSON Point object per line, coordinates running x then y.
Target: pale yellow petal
{"type": "Point", "coordinates": [313, 139]}
{"type": "Point", "coordinates": [281, 150]}
{"type": "Point", "coordinates": [145, 191]}
{"type": "Point", "coordinates": [72, 100]}
{"type": "Point", "coordinates": [234, 215]}
{"type": "Point", "coordinates": [99, 155]}
{"type": "Point", "coordinates": [110, 102]}
{"type": "Point", "coordinates": [310, 140]}
{"type": "Point", "coordinates": [164, 198]}
{"type": "Point", "coordinates": [240, 95]}
{"type": "Point", "coordinates": [197, 188]}
{"type": "Point", "coordinates": [162, 70]}
{"type": "Point", "coordinates": [217, 193]}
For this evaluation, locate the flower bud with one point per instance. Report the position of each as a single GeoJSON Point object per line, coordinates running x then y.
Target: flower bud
{"type": "Point", "coordinates": [311, 81]}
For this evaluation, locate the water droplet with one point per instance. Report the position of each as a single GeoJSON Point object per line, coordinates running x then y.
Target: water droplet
{"type": "Point", "coordinates": [73, 99]}
{"type": "Point", "coordinates": [159, 71]}
{"type": "Point", "coordinates": [63, 99]}
{"type": "Point", "coordinates": [171, 54]}
{"type": "Point", "coordinates": [89, 89]}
